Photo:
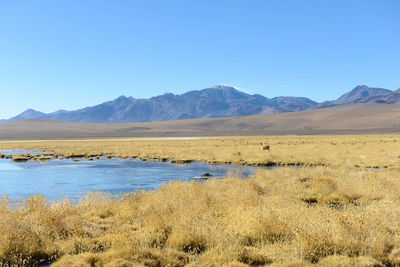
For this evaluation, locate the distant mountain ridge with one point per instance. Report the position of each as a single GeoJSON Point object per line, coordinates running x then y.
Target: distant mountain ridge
{"type": "Point", "coordinates": [28, 114]}
{"type": "Point", "coordinates": [359, 94]}
{"type": "Point", "coordinates": [217, 101]}
{"type": "Point", "coordinates": [214, 102]}
{"type": "Point", "coordinates": [390, 98]}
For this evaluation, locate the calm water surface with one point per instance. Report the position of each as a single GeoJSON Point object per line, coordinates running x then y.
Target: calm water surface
{"type": "Point", "coordinates": [65, 177]}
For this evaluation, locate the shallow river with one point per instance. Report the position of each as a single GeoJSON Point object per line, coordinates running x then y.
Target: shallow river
{"type": "Point", "coordinates": [65, 177]}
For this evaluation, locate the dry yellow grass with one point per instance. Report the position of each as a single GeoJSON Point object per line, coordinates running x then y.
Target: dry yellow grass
{"type": "Point", "coordinates": [381, 151]}
{"type": "Point", "coordinates": [284, 216]}
{"type": "Point", "coordinates": [331, 215]}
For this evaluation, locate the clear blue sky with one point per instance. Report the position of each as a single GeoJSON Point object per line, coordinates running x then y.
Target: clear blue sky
{"type": "Point", "coordinates": [68, 54]}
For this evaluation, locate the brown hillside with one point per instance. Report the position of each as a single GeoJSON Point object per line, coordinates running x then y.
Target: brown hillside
{"type": "Point", "coordinates": [346, 119]}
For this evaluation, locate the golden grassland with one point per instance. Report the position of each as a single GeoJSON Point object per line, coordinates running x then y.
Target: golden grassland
{"type": "Point", "coordinates": [285, 216]}
{"type": "Point", "coordinates": [335, 210]}
{"type": "Point", "coordinates": [379, 151]}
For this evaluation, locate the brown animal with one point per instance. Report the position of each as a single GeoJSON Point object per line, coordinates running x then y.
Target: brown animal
{"type": "Point", "coordinates": [265, 147]}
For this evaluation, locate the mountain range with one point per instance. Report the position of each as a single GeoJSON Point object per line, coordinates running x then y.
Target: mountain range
{"type": "Point", "coordinates": [341, 119]}
{"type": "Point", "coordinates": [214, 102]}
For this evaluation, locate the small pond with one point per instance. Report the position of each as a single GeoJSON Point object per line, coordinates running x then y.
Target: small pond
{"type": "Point", "coordinates": [56, 178]}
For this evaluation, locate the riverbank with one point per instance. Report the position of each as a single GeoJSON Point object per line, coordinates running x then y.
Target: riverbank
{"type": "Point", "coordinates": [375, 151]}
{"type": "Point", "coordinates": [286, 216]}
{"type": "Point", "coordinates": [76, 177]}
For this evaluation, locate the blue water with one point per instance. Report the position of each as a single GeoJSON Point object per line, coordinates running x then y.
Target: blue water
{"type": "Point", "coordinates": [74, 179]}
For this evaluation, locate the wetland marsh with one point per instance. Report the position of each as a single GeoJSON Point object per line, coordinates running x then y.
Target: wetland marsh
{"type": "Point", "coordinates": [338, 207]}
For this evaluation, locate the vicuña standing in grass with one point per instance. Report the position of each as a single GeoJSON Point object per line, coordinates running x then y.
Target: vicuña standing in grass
{"type": "Point", "coordinates": [264, 147]}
